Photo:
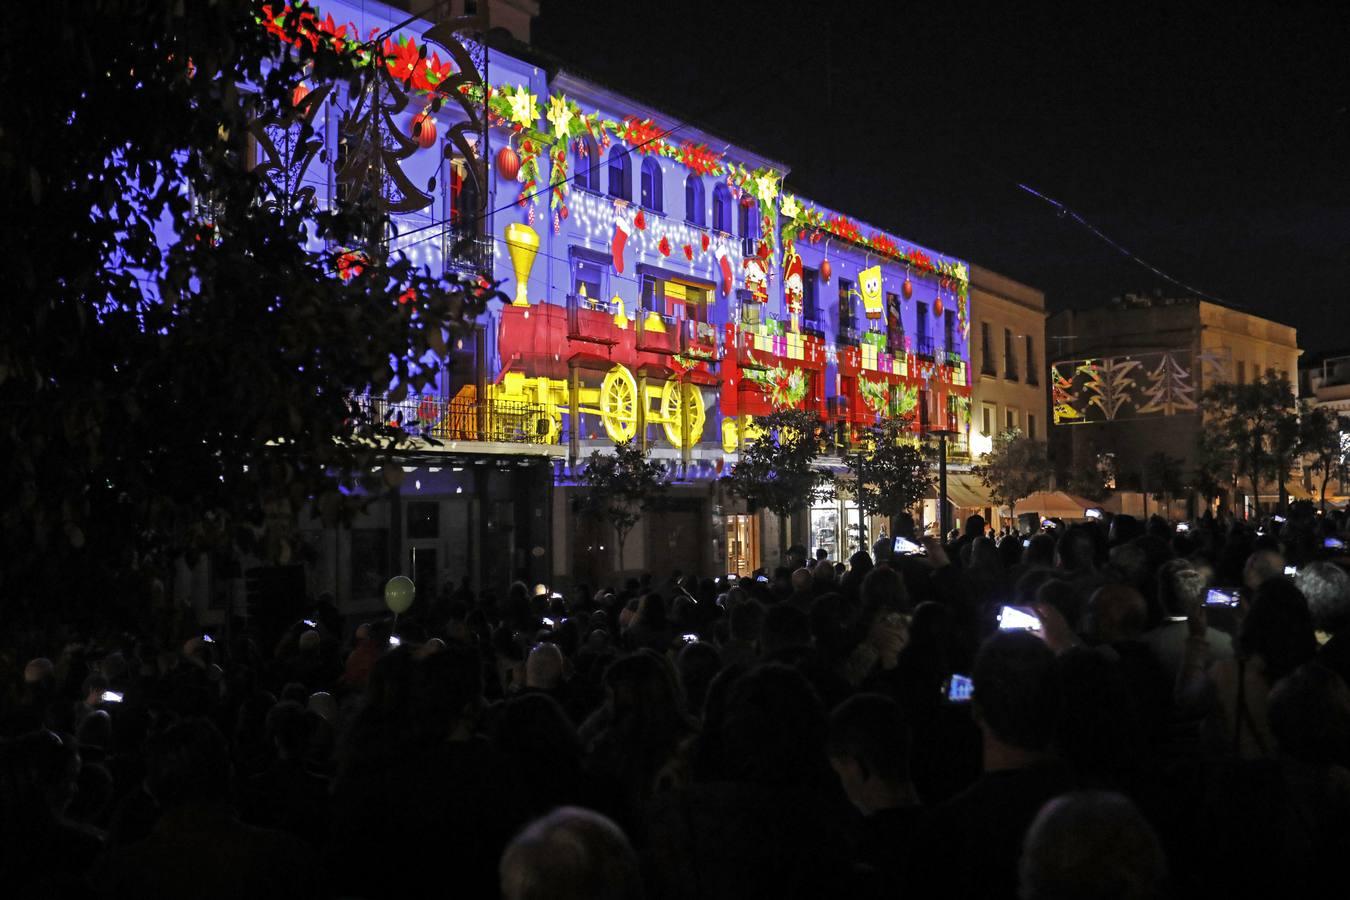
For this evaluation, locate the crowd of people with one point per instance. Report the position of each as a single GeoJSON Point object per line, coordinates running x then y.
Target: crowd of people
{"type": "Point", "coordinates": [1112, 708]}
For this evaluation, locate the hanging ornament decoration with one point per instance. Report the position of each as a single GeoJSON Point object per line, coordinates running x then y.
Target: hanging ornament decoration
{"type": "Point", "coordinates": [557, 223]}
{"type": "Point", "coordinates": [907, 289]}
{"type": "Point", "coordinates": [825, 270]}
{"type": "Point", "coordinates": [563, 212]}
{"type": "Point", "coordinates": [664, 246]}
{"type": "Point", "coordinates": [508, 163]}
{"type": "Point", "coordinates": [640, 221]}
{"type": "Point", "coordinates": [703, 239]}
{"type": "Point", "coordinates": [937, 306]}
{"type": "Point", "coordinates": [423, 129]}
{"type": "Point", "coordinates": [299, 94]}
{"type": "Point", "coordinates": [689, 252]}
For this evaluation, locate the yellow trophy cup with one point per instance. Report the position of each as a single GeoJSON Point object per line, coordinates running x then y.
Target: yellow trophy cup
{"type": "Point", "coordinates": [523, 243]}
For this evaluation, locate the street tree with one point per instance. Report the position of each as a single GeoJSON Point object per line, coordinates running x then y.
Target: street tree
{"type": "Point", "coordinates": [1015, 467]}
{"type": "Point", "coordinates": [1323, 443]}
{"type": "Point", "coordinates": [178, 356]}
{"type": "Point", "coordinates": [1163, 476]}
{"type": "Point", "coordinates": [619, 487]}
{"type": "Point", "coordinates": [1259, 422]}
{"type": "Point", "coordinates": [1214, 472]}
{"type": "Point", "coordinates": [776, 470]}
{"type": "Point", "coordinates": [891, 472]}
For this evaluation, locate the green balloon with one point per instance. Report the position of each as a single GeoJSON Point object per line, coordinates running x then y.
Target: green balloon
{"type": "Point", "coordinates": [399, 594]}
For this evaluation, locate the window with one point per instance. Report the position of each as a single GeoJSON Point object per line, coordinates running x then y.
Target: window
{"type": "Point", "coordinates": [620, 174]}
{"type": "Point", "coordinates": [652, 188]}
{"type": "Point", "coordinates": [845, 303]}
{"type": "Point", "coordinates": [986, 351]}
{"type": "Point", "coordinates": [722, 209]}
{"type": "Point", "coordinates": [694, 213]}
{"type": "Point", "coordinates": [810, 304]}
{"type": "Point", "coordinates": [588, 164]}
{"type": "Point", "coordinates": [1009, 361]}
{"type": "Point", "coordinates": [747, 223]}
{"type": "Point", "coordinates": [590, 276]}
{"type": "Point", "coordinates": [1242, 372]}
{"type": "Point", "coordinates": [1032, 376]}
{"type": "Point", "coordinates": [925, 400]}
{"type": "Point", "coordinates": [987, 419]}
{"type": "Point", "coordinates": [948, 329]}
{"type": "Point", "coordinates": [1010, 419]}
{"type": "Point", "coordinates": [1031, 425]}
{"type": "Point", "coordinates": [925, 345]}
{"type": "Point", "coordinates": [895, 325]}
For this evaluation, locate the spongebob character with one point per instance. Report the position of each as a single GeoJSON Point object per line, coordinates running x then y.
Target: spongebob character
{"type": "Point", "coordinates": [869, 285]}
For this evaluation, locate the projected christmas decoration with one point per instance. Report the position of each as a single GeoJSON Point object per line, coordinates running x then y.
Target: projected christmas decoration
{"type": "Point", "coordinates": [1169, 388]}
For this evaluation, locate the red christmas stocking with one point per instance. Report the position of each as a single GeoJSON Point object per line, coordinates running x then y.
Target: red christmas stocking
{"type": "Point", "coordinates": [727, 273]}
{"type": "Point", "coordinates": [622, 228]}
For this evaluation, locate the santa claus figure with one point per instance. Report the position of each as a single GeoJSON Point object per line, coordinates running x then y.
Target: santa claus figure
{"type": "Point", "coordinates": [757, 278]}
{"type": "Point", "coordinates": [792, 287]}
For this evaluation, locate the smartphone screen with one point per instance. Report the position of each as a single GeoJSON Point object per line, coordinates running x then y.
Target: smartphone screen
{"type": "Point", "coordinates": [1221, 597]}
{"type": "Point", "coordinates": [395, 641]}
{"type": "Point", "coordinates": [1183, 526]}
{"type": "Point", "coordinates": [550, 623]}
{"type": "Point", "coordinates": [1334, 543]}
{"type": "Point", "coordinates": [909, 548]}
{"type": "Point", "coordinates": [959, 689]}
{"type": "Point", "coordinates": [111, 697]}
{"type": "Point", "coordinates": [311, 623]}
{"type": "Point", "coordinates": [1026, 542]}
{"type": "Point", "coordinates": [1018, 618]}
{"type": "Point", "coordinates": [690, 638]}
{"type": "Point", "coordinates": [1093, 513]}
{"type": "Point", "coordinates": [1291, 571]}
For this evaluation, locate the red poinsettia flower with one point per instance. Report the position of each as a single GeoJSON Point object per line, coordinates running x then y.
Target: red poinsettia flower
{"type": "Point", "coordinates": [688, 252]}
{"type": "Point", "coordinates": [664, 246]}
{"type": "Point", "coordinates": [401, 58]}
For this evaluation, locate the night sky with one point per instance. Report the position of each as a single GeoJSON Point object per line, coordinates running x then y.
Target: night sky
{"type": "Point", "coordinates": [1215, 145]}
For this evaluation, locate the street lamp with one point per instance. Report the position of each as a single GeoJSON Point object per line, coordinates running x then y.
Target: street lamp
{"type": "Point", "coordinates": [944, 512]}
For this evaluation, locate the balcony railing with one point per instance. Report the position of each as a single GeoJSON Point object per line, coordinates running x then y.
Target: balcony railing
{"type": "Point", "coordinates": [464, 250]}
{"type": "Point", "coordinates": [923, 346]}
{"type": "Point", "coordinates": [502, 421]}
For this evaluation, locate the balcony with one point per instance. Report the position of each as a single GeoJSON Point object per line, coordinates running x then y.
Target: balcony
{"type": "Point", "coordinates": [464, 250]}
{"type": "Point", "coordinates": [923, 346]}
{"type": "Point", "coordinates": [656, 333]}
{"type": "Point", "coordinates": [698, 339]}
{"type": "Point", "coordinates": [591, 319]}
{"type": "Point", "coordinates": [463, 419]}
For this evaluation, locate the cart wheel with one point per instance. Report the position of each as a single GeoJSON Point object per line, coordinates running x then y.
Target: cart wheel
{"type": "Point", "coordinates": [674, 396]}
{"type": "Point", "coordinates": [618, 404]}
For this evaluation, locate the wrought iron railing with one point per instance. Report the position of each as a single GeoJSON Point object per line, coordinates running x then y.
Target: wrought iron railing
{"type": "Point", "coordinates": [504, 421]}
{"type": "Point", "coordinates": [464, 250]}
{"type": "Point", "coordinates": [923, 346]}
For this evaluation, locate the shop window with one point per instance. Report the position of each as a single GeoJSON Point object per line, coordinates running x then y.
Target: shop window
{"type": "Point", "coordinates": [694, 212]}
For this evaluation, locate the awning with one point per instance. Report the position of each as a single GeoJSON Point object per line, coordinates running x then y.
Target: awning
{"type": "Point", "coordinates": [1055, 505]}
{"type": "Point", "coordinates": [965, 491]}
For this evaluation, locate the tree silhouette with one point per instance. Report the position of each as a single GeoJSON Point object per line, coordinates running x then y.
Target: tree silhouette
{"type": "Point", "coordinates": [776, 470]}
{"type": "Point", "coordinates": [894, 474]}
{"type": "Point", "coordinates": [1015, 467]}
{"type": "Point", "coordinates": [620, 487]}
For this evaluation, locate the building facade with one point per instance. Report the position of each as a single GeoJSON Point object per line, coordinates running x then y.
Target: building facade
{"type": "Point", "coordinates": [661, 287]}
{"type": "Point", "coordinates": [1126, 378]}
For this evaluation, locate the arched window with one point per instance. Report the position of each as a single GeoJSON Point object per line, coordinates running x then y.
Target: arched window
{"type": "Point", "coordinates": [651, 185]}
{"type": "Point", "coordinates": [620, 174]}
{"type": "Point", "coordinates": [693, 201]}
{"type": "Point", "coordinates": [587, 164]}
{"type": "Point", "coordinates": [722, 209]}
{"type": "Point", "coordinates": [746, 221]}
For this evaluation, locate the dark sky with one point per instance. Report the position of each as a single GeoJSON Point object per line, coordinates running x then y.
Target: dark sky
{"type": "Point", "coordinates": [1214, 143]}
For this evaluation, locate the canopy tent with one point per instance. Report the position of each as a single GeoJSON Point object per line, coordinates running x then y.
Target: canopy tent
{"type": "Point", "coordinates": [1055, 505]}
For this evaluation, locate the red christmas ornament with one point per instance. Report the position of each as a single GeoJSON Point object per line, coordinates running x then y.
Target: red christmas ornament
{"type": "Point", "coordinates": [563, 213]}
{"type": "Point", "coordinates": [688, 252]}
{"type": "Point", "coordinates": [640, 221]}
{"type": "Point", "coordinates": [937, 307]}
{"type": "Point", "coordinates": [825, 270]}
{"type": "Point", "coordinates": [907, 288]}
{"type": "Point", "coordinates": [424, 129]}
{"type": "Point", "coordinates": [704, 240]}
{"type": "Point", "coordinates": [299, 94]}
{"type": "Point", "coordinates": [508, 164]}
{"type": "Point", "coordinates": [664, 246]}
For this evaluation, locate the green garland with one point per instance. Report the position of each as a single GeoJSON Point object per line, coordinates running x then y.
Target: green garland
{"type": "Point", "coordinates": [786, 387]}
